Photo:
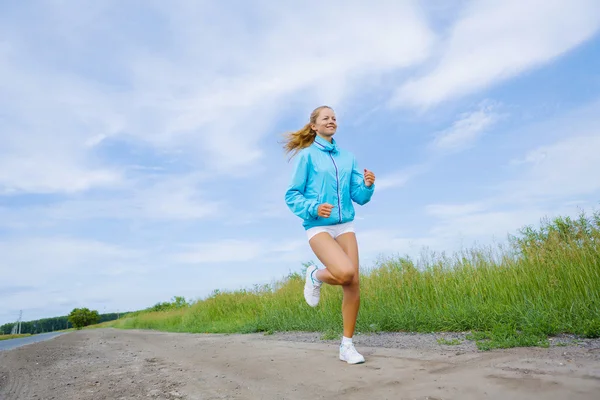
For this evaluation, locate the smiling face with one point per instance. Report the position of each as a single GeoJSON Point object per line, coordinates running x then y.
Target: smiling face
{"type": "Point", "coordinates": [325, 123]}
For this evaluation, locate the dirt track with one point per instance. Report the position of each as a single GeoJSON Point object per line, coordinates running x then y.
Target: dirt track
{"type": "Point", "coordinates": [115, 364]}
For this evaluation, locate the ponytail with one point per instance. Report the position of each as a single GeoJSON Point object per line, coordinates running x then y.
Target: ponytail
{"type": "Point", "coordinates": [300, 139]}
{"type": "Point", "coordinates": [304, 137]}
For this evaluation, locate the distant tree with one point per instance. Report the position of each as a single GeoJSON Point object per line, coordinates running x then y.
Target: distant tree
{"type": "Point", "coordinates": [81, 317]}
{"type": "Point", "coordinates": [53, 324]}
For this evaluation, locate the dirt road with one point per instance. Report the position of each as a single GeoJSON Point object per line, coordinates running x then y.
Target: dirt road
{"type": "Point", "coordinates": [115, 364]}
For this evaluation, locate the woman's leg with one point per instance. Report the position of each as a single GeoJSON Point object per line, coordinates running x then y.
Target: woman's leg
{"type": "Point", "coordinates": [339, 269]}
{"type": "Point", "coordinates": [340, 258]}
{"type": "Point", "coordinates": [351, 302]}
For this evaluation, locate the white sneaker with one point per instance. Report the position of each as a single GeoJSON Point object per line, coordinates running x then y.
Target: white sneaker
{"type": "Point", "coordinates": [312, 287]}
{"type": "Point", "coordinates": [349, 354]}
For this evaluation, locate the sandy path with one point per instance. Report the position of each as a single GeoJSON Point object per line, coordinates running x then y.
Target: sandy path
{"type": "Point", "coordinates": [115, 364]}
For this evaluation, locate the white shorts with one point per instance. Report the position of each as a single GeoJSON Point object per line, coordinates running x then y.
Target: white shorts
{"type": "Point", "coordinates": [334, 230]}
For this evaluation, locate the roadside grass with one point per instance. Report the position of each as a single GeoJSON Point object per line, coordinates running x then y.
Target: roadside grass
{"type": "Point", "coordinates": [449, 342]}
{"type": "Point", "coordinates": [105, 324]}
{"type": "Point", "coordinates": [545, 281]}
{"type": "Point", "coordinates": [7, 337]}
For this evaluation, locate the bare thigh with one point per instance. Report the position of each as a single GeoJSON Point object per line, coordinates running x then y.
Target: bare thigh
{"type": "Point", "coordinates": [333, 256]}
{"type": "Point", "coordinates": [349, 245]}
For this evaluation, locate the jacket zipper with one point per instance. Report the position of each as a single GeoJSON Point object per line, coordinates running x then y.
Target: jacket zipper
{"type": "Point", "coordinates": [337, 180]}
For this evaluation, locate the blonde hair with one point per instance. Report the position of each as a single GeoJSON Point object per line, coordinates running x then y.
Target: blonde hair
{"type": "Point", "coordinates": [303, 137]}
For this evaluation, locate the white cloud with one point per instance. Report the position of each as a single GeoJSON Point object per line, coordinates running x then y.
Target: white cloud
{"type": "Point", "coordinates": [466, 130]}
{"type": "Point", "coordinates": [463, 134]}
{"type": "Point", "coordinates": [549, 180]}
{"type": "Point", "coordinates": [496, 40]}
{"type": "Point", "coordinates": [211, 87]}
{"type": "Point", "coordinates": [237, 250]}
{"type": "Point", "coordinates": [452, 210]}
{"type": "Point", "coordinates": [566, 168]}
{"type": "Point", "coordinates": [47, 175]}
{"type": "Point", "coordinates": [181, 197]}
{"type": "Point", "coordinates": [491, 222]}
{"type": "Point", "coordinates": [233, 110]}
{"type": "Point", "coordinates": [375, 243]}
{"type": "Point", "coordinates": [46, 123]}
{"type": "Point", "coordinates": [556, 178]}
{"type": "Point", "coordinates": [173, 198]}
{"type": "Point", "coordinates": [485, 225]}
{"type": "Point", "coordinates": [399, 178]}
{"type": "Point", "coordinates": [220, 252]}
{"type": "Point", "coordinates": [49, 259]}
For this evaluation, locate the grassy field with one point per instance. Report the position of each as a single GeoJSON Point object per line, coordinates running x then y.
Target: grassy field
{"type": "Point", "coordinates": [545, 281]}
{"type": "Point", "coordinates": [6, 337]}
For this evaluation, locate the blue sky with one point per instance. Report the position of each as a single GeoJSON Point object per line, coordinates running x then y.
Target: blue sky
{"type": "Point", "coordinates": [139, 141]}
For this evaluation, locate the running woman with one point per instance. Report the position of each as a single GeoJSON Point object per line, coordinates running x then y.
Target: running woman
{"type": "Point", "coordinates": [324, 184]}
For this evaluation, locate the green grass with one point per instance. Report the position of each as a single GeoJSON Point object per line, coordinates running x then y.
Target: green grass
{"type": "Point", "coordinates": [545, 281]}
{"type": "Point", "coordinates": [447, 342]}
{"type": "Point", "coordinates": [331, 335]}
{"type": "Point", "coordinates": [7, 337]}
{"type": "Point", "coordinates": [502, 336]}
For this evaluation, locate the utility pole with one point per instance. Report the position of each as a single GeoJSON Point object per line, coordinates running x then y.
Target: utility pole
{"type": "Point", "coordinates": [20, 316]}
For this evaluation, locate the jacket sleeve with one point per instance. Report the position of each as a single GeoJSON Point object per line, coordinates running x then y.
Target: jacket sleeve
{"type": "Point", "coordinates": [359, 192]}
{"type": "Point", "coordinates": [294, 196]}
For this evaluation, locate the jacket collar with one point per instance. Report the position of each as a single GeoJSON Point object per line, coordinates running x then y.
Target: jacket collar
{"type": "Point", "coordinates": [324, 145]}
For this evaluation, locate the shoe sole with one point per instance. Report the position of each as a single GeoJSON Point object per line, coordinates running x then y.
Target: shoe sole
{"type": "Point", "coordinates": [352, 363]}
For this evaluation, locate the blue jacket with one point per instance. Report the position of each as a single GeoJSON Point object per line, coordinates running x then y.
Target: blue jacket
{"type": "Point", "coordinates": [324, 173]}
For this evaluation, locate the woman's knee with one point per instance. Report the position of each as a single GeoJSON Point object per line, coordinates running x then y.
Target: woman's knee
{"type": "Point", "coordinates": [347, 276]}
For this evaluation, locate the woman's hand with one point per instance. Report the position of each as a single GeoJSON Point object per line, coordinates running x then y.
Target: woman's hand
{"type": "Point", "coordinates": [369, 178]}
{"type": "Point", "coordinates": [324, 210]}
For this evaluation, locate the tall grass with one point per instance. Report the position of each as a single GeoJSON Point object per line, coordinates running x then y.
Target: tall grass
{"type": "Point", "coordinates": [543, 282]}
